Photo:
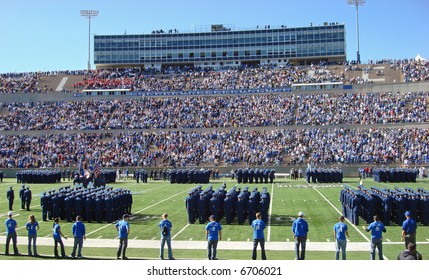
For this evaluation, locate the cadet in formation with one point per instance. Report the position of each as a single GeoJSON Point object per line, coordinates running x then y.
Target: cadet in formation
{"type": "Point", "coordinates": [235, 204]}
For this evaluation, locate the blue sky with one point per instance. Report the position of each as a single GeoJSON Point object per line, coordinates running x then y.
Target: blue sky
{"type": "Point", "coordinates": [50, 34]}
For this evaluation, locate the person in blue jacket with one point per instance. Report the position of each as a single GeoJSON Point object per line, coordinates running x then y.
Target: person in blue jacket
{"type": "Point", "coordinates": [213, 235]}
{"type": "Point", "coordinates": [11, 234]}
{"type": "Point", "coordinates": [340, 232]}
{"type": "Point", "coordinates": [165, 227]}
{"type": "Point", "coordinates": [57, 238]}
{"type": "Point", "coordinates": [377, 228]}
{"type": "Point", "coordinates": [79, 234]}
{"type": "Point", "coordinates": [409, 228]}
{"type": "Point", "coordinates": [123, 229]}
{"type": "Point", "coordinates": [258, 236]}
{"type": "Point", "coordinates": [300, 231]}
{"type": "Point", "coordinates": [32, 227]}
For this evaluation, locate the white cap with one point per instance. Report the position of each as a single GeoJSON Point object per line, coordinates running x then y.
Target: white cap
{"type": "Point", "coordinates": [9, 213]}
{"type": "Point", "coordinates": [300, 214]}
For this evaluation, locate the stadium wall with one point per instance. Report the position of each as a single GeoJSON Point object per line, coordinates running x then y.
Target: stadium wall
{"type": "Point", "coordinates": [60, 96]}
{"type": "Point", "coordinates": [348, 171]}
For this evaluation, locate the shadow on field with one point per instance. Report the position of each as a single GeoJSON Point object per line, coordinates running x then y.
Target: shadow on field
{"type": "Point", "coordinates": [145, 217]}
{"type": "Point", "coordinates": [282, 220]}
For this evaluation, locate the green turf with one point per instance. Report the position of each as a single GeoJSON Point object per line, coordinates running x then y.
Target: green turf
{"type": "Point", "coordinates": [157, 197]}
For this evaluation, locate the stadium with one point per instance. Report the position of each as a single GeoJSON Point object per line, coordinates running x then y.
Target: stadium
{"type": "Point", "coordinates": [223, 101]}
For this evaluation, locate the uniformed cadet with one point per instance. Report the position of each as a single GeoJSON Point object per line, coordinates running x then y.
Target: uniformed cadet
{"type": "Point", "coordinates": [214, 206]}
{"type": "Point", "coordinates": [272, 176]}
{"type": "Point", "coordinates": [245, 176]}
{"type": "Point", "coordinates": [89, 205]}
{"type": "Point", "coordinates": [425, 209]}
{"type": "Point", "coordinates": [251, 173]}
{"type": "Point", "coordinates": [201, 203]}
{"type": "Point", "coordinates": [44, 207]}
{"type": "Point", "coordinates": [10, 195]}
{"type": "Point", "coordinates": [28, 197]}
{"type": "Point", "coordinates": [241, 204]}
{"type": "Point", "coordinates": [22, 197]}
{"type": "Point", "coordinates": [98, 209]}
{"type": "Point", "coordinates": [191, 207]}
{"type": "Point", "coordinates": [228, 206]}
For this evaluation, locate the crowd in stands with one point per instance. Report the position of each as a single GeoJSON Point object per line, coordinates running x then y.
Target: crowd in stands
{"type": "Point", "coordinates": [218, 111]}
{"type": "Point", "coordinates": [268, 76]}
{"type": "Point", "coordinates": [187, 78]}
{"type": "Point", "coordinates": [415, 71]}
{"type": "Point", "coordinates": [362, 108]}
{"type": "Point", "coordinates": [199, 148]}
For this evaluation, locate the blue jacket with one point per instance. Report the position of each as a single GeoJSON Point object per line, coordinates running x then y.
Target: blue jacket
{"type": "Point", "coordinates": [300, 228]}
{"type": "Point", "coordinates": [78, 229]}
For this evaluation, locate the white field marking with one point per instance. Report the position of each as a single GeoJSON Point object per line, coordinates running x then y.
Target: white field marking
{"type": "Point", "coordinates": [427, 239]}
{"type": "Point", "coordinates": [388, 240]}
{"type": "Point", "coordinates": [5, 215]}
{"type": "Point", "coordinates": [135, 238]}
{"type": "Point", "coordinates": [229, 239]}
{"type": "Point", "coordinates": [99, 237]}
{"type": "Point", "coordinates": [180, 231]}
{"type": "Point", "coordinates": [339, 212]}
{"type": "Point", "coordinates": [287, 240]}
{"type": "Point", "coordinates": [248, 239]}
{"type": "Point", "coordinates": [190, 239]}
{"type": "Point", "coordinates": [153, 238]}
{"type": "Point", "coordinates": [308, 240]}
{"type": "Point", "coordinates": [103, 227]}
{"type": "Point", "coordinates": [161, 201]}
{"type": "Point", "coordinates": [270, 213]}
{"type": "Point", "coordinates": [327, 240]}
{"type": "Point", "coordinates": [47, 236]}
{"type": "Point", "coordinates": [348, 240]}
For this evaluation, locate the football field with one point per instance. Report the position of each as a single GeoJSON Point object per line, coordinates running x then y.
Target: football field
{"type": "Point", "coordinates": [319, 202]}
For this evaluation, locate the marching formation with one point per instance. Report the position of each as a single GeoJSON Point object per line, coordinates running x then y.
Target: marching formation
{"type": "Point", "coordinates": [92, 204]}
{"type": "Point", "coordinates": [235, 204]}
{"type": "Point", "coordinates": [256, 175]}
{"type": "Point", "coordinates": [324, 175]}
{"type": "Point", "coordinates": [395, 175]}
{"type": "Point", "coordinates": [389, 204]}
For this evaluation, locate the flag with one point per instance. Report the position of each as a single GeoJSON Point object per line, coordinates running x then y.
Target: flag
{"type": "Point", "coordinates": [97, 170]}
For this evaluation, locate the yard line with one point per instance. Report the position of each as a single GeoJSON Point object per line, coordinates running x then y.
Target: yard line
{"type": "Point", "coordinates": [161, 201]}
{"type": "Point", "coordinates": [180, 231]}
{"type": "Point", "coordinates": [99, 237]}
{"type": "Point", "coordinates": [103, 227]}
{"type": "Point", "coordinates": [153, 238]}
{"type": "Point", "coordinates": [427, 239]}
{"type": "Point", "coordinates": [229, 239]}
{"type": "Point", "coordinates": [287, 240]}
{"type": "Point", "coordinates": [270, 213]}
{"type": "Point", "coordinates": [339, 212]}
{"type": "Point", "coordinates": [388, 240]}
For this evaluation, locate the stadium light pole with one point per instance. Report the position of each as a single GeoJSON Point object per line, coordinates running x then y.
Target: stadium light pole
{"type": "Point", "coordinates": [357, 3]}
{"type": "Point", "coordinates": [89, 14]}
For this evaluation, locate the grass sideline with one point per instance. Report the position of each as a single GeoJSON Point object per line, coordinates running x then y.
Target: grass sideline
{"type": "Point", "coordinates": [152, 199]}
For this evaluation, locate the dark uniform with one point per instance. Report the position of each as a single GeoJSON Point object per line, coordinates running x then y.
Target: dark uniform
{"type": "Point", "coordinates": [28, 197]}
{"type": "Point", "coordinates": [10, 195]}
{"type": "Point", "coordinates": [44, 207]}
{"type": "Point", "coordinates": [22, 197]}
